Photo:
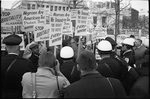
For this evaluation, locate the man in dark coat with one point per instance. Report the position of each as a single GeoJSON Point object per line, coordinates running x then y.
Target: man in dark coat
{"type": "Point", "coordinates": [12, 68]}
{"type": "Point", "coordinates": [139, 53]}
{"type": "Point", "coordinates": [68, 65]}
{"type": "Point", "coordinates": [92, 84]}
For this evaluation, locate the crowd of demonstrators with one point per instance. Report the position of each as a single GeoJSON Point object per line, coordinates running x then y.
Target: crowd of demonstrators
{"type": "Point", "coordinates": [36, 72]}
{"type": "Point", "coordinates": [92, 84]}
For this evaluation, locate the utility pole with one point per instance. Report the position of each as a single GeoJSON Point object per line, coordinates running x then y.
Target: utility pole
{"type": "Point", "coordinates": [117, 10]}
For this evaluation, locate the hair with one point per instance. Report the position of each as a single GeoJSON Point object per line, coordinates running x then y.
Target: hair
{"type": "Point", "coordinates": [47, 59]}
{"type": "Point", "coordinates": [139, 40]}
{"type": "Point", "coordinates": [86, 61]}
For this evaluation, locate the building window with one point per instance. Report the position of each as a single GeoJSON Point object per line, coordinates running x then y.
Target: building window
{"type": "Point", "coordinates": [103, 21]}
{"type": "Point", "coordinates": [59, 8]}
{"type": "Point", "coordinates": [42, 6]}
{"type": "Point", "coordinates": [64, 8]}
{"type": "Point", "coordinates": [51, 8]}
{"type": "Point", "coordinates": [55, 8]}
{"type": "Point", "coordinates": [67, 8]}
{"type": "Point", "coordinates": [33, 6]}
{"type": "Point", "coordinates": [47, 6]}
{"type": "Point", "coordinates": [28, 6]}
{"type": "Point", "coordinates": [38, 5]}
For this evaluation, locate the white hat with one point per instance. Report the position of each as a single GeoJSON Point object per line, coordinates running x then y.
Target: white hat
{"type": "Point", "coordinates": [104, 45]}
{"type": "Point", "coordinates": [129, 41]}
{"type": "Point", "coordinates": [66, 52]}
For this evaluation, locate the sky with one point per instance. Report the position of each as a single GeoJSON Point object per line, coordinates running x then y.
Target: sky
{"type": "Point", "coordinates": [136, 4]}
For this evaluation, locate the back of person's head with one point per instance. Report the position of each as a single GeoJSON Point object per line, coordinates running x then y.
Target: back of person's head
{"type": "Point", "coordinates": [12, 43]}
{"type": "Point", "coordinates": [104, 47]}
{"type": "Point", "coordinates": [47, 59]}
{"type": "Point", "coordinates": [132, 36]}
{"type": "Point", "coordinates": [86, 61]}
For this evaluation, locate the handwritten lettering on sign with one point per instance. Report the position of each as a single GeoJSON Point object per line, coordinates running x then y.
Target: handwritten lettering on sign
{"type": "Point", "coordinates": [59, 24]}
{"type": "Point", "coordinates": [32, 17]}
{"type": "Point", "coordinates": [41, 32]}
{"type": "Point", "coordinates": [81, 27]}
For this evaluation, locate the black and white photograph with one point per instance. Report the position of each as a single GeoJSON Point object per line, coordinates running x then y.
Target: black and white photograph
{"type": "Point", "coordinates": [75, 49]}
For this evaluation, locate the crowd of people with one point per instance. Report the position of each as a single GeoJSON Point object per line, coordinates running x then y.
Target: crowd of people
{"type": "Point", "coordinates": [39, 73]}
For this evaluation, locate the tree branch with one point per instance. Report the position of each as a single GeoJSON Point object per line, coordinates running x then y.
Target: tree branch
{"type": "Point", "coordinates": [125, 6]}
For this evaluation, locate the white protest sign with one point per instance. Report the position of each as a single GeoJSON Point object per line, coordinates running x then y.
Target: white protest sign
{"type": "Point", "coordinates": [32, 17]}
{"type": "Point", "coordinates": [67, 24]}
{"type": "Point", "coordinates": [41, 32]}
{"type": "Point", "coordinates": [22, 45]}
{"type": "Point", "coordinates": [101, 32]}
{"type": "Point", "coordinates": [56, 21]}
{"type": "Point", "coordinates": [74, 14]}
{"type": "Point", "coordinates": [81, 26]}
{"type": "Point", "coordinates": [12, 20]}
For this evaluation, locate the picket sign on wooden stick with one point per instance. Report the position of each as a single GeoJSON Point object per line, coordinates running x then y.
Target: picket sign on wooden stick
{"type": "Point", "coordinates": [79, 46]}
{"type": "Point", "coordinates": [55, 50]}
{"type": "Point", "coordinates": [28, 34]}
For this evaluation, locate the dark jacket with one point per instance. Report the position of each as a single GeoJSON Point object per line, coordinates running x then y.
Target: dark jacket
{"type": "Point", "coordinates": [131, 56]}
{"type": "Point", "coordinates": [94, 85]}
{"type": "Point", "coordinates": [11, 80]}
{"type": "Point", "coordinates": [68, 68]}
{"type": "Point", "coordinates": [110, 67]}
{"type": "Point", "coordinates": [141, 88]}
{"type": "Point", "coordinates": [139, 55]}
{"type": "Point", "coordinates": [34, 59]}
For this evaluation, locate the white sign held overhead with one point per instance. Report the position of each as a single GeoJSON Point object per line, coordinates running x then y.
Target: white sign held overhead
{"type": "Point", "coordinates": [22, 44]}
{"type": "Point", "coordinates": [41, 32]}
{"type": "Point", "coordinates": [12, 20]}
{"type": "Point", "coordinates": [67, 24]}
{"type": "Point", "coordinates": [81, 23]}
{"type": "Point", "coordinates": [56, 21]}
{"type": "Point", "coordinates": [32, 17]}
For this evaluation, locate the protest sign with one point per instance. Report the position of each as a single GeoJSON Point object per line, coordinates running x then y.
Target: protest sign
{"type": "Point", "coordinates": [74, 14]}
{"type": "Point", "coordinates": [67, 25]}
{"type": "Point", "coordinates": [81, 26]}
{"type": "Point", "coordinates": [22, 45]}
{"type": "Point", "coordinates": [41, 32]}
{"type": "Point", "coordinates": [101, 32]}
{"type": "Point", "coordinates": [12, 20]}
{"type": "Point", "coordinates": [56, 22]}
{"type": "Point", "coordinates": [32, 17]}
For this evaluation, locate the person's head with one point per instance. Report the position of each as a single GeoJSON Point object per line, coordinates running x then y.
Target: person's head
{"type": "Point", "coordinates": [132, 36]}
{"type": "Point", "coordinates": [138, 42]}
{"type": "Point", "coordinates": [128, 43]}
{"type": "Point", "coordinates": [104, 47]}
{"type": "Point", "coordinates": [86, 61]}
{"type": "Point", "coordinates": [34, 47]}
{"type": "Point", "coordinates": [113, 43]}
{"type": "Point", "coordinates": [12, 43]}
{"type": "Point", "coordinates": [66, 53]}
{"type": "Point", "coordinates": [47, 59]}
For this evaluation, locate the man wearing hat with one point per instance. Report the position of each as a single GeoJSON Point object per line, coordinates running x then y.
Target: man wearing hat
{"type": "Point", "coordinates": [68, 66]}
{"type": "Point", "coordinates": [13, 67]}
{"type": "Point", "coordinates": [32, 53]}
